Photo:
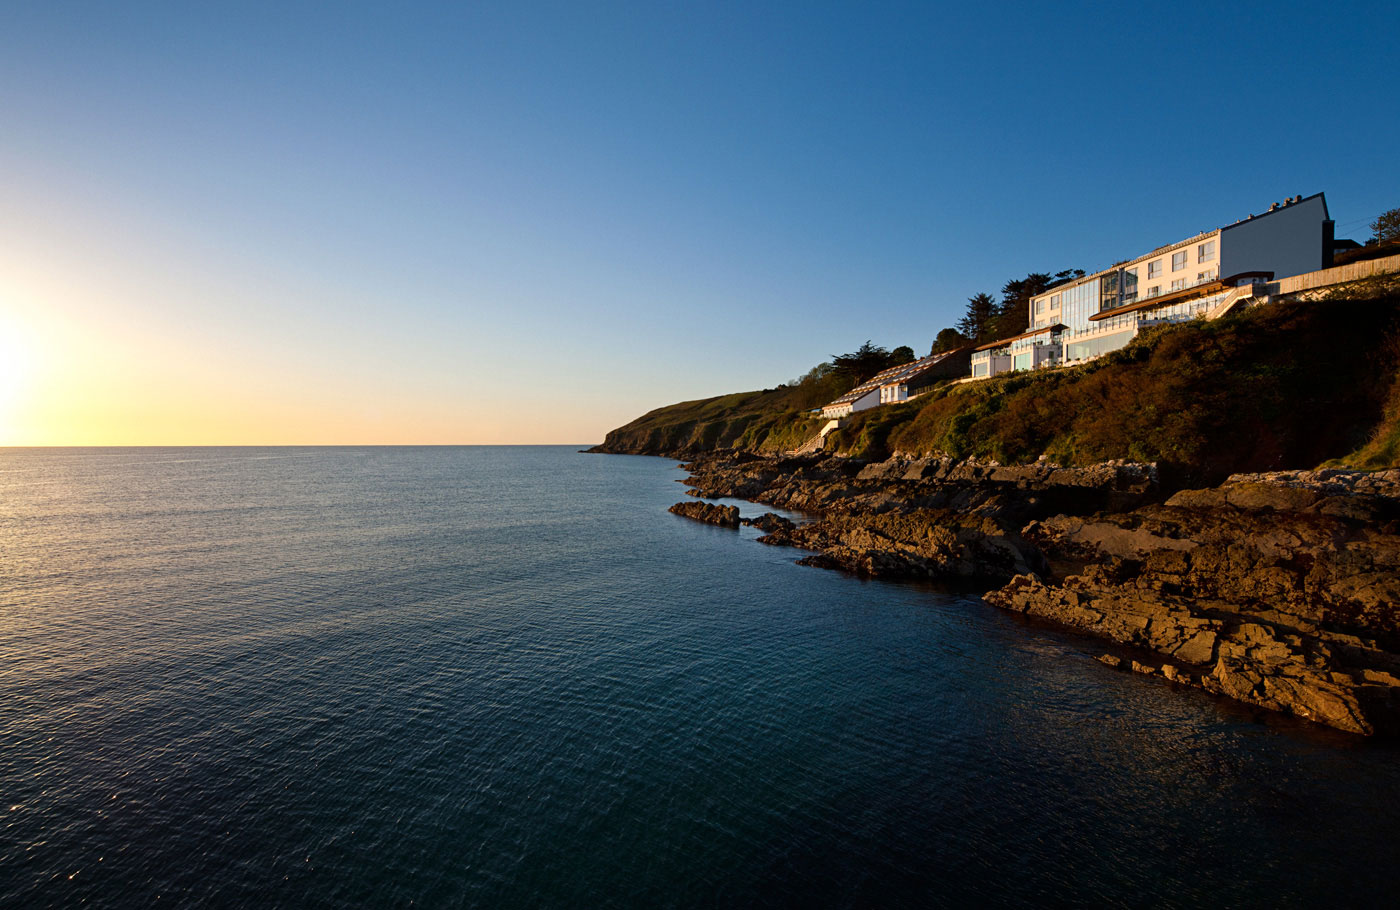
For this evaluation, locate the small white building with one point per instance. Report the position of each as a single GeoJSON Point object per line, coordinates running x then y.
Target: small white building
{"type": "Point", "coordinates": [900, 383]}
{"type": "Point", "coordinates": [860, 398]}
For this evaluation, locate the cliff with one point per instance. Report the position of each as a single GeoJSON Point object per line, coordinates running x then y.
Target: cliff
{"type": "Point", "coordinates": [1276, 387]}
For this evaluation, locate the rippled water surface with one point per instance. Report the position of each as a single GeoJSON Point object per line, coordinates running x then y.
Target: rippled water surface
{"type": "Point", "coordinates": [507, 677]}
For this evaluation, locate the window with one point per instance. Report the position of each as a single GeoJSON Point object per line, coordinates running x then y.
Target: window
{"type": "Point", "coordinates": [1179, 284]}
{"type": "Point", "coordinates": [1039, 307]}
{"type": "Point", "coordinates": [1206, 251]}
{"type": "Point", "coordinates": [1178, 261]}
{"type": "Point", "coordinates": [1206, 276]}
{"type": "Point", "coordinates": [1055, 302]}
{"type": "Point", "coordinates": [1154, 291]}
{"type": "Point", "coordinates": [1154, 268]}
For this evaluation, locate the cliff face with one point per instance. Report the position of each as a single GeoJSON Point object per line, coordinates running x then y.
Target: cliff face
{"type": "Point", "coordinates": [1283, 386]}
{"type": "Point", "coordinates": [751, 421]}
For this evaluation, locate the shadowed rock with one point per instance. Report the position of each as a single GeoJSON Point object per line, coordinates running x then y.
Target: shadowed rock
{"type": "Point", "coordinates": [724, 516]}
{"type": "Point", "coordinates": [1280, 590]}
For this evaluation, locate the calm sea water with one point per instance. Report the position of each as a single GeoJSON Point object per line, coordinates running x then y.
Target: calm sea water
{"type": "Point", "coordinates": [507, 677]}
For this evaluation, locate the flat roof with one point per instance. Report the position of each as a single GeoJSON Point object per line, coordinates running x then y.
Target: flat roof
{"type": "Point", "coordinates": [1150, 303]}
{"type": "Point", "coordinates": [1006, 341]}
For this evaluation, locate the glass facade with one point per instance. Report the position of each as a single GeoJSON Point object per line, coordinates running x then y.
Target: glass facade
{"type": "Point", "coordinates": [1185, 310]}
{"type": "Point", "coordinates": [980, 369]}
{"type": "Point", "coordinates": [1098, 344]}
{"type": "Point", "coordinates": [1021, 361]}
{"type": "Point", "coordinates": [1108, 291]}
{"type": "Point", "coordinates": [1078, 304]}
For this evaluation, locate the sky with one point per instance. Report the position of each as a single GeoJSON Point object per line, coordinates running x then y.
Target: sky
{"type": "Point", "coordinates": [482, 223]}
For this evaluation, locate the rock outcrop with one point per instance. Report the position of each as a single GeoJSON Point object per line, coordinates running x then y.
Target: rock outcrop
{"type": "Point", "coordinates": [1279, 590]}
{"type": "Point", "coordinates": [709, 513]}
{"type": "Point", "coordinates": [769, 523]}
{"type": "Point", "coordinates": [929, 543]}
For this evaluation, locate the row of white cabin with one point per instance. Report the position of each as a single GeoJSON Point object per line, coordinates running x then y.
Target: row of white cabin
{"type": "Point", "coordinates": [900, 383]}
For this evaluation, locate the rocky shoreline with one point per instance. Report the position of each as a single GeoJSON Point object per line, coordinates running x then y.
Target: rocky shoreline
{"type": "Point", "coordinates": [1279, 590]}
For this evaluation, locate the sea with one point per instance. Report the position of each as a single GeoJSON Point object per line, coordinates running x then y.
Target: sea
{"type": "Point", "coordinates": [507, 677]}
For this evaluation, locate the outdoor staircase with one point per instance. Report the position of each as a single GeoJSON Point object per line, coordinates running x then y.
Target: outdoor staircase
{"type": "Point", "coordinates": [817, 442]}
{"type": "Point", "coordinates": [1243, 292]}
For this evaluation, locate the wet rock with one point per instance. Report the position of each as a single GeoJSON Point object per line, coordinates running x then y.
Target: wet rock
{"type": "Point", "coordinates": [1280, 590]}
{"type": "Point", "coordinates": [769, 522]}
{"type": "Point", "coordinates": [709, 513]}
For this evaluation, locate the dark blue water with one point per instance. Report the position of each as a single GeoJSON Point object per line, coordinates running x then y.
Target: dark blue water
{"type": "Point", "coordinates": [507, 677]}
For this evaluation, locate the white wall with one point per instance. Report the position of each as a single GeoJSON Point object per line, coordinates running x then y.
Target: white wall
{"type": "Point", "coordinates": [1287, 241]}
{"type": "Point", "coordinates": [868, 400]}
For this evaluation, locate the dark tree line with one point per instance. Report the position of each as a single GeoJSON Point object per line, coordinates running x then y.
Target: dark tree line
{"type": "Point", "coordinates": [987, 319]}
{"type": "Point", "coordinates": [867, 360]}
{"type": "Point", "coordinates": [844, 372]}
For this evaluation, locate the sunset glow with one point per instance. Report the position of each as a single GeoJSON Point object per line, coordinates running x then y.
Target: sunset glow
{"type": "Point", "coordinates": [485, 225]}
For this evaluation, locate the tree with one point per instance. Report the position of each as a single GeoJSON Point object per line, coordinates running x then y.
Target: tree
{"type": "Point", "coordinates": [976, 324]}
{"type": "Point", "coordinates": [900, 355]}
{"type": "Point", "coordinates": [1014, 312]}
{"type": "Point", "coordinates": [948, 340]}
{"type": "Point", "coordinates": [1386, 227]}
{"type": "Point", "coordinates": [1013, 315]}
{"type": "Point", "coordinates": [861, 364]}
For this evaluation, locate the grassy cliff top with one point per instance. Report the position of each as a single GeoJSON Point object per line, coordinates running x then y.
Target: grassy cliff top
{"type": "Point", "coordinates": [1281, 386]}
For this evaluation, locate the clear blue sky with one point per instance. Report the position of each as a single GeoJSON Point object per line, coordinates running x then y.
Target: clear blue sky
{"type": "Point", "coordinates": [531, 222]}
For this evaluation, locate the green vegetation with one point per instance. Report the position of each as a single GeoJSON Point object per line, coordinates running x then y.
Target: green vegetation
{"type": "Point", "coordinates": [986, 319]}
{"type": "Point", "coordinates": [1286, 386]}
{"type": "Point", "coordinates": [866, 361]}
{"type": "Point", "coordinates": [1386, 227]}
{"type": "Point", "coordinates": [948, 340]}
{"type": "Point", "coordinates": [772, 420]}
{"type": "Point", "coordinates": [1283, 386]}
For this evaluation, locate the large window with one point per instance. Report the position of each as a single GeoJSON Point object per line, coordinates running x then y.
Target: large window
{"type": "Point", "coordinates": [1206, 251]}
{"type": "Point", "coordinates": [979, 369]}
{"type": "Point", "coordinates": [1109, 290]}
{"type": "Point", "coordinates": [1080, 302]}
{"type": "Point", "coordinates": [1130, 285]}
{"type": "Point", "coordinates": [1178, 261]}
{"type": "Point", "coordinates": [1021, 361]}
{"type": "Point", "coordinates": [1205, 276]}
{"type": "Point", "coordinates": [1154, 268]}
{"type": "Point", "coordinates": [1092, 347]}
{"type": "Point", "coordinates": [1179, 284]}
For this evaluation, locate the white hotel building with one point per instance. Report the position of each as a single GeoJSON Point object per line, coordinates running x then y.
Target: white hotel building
{"type": "Point", "coordinates": [1089, 316]}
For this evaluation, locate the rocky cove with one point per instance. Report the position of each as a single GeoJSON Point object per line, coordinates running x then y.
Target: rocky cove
{"type": "Point", "coordinates": [1278, 590]}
